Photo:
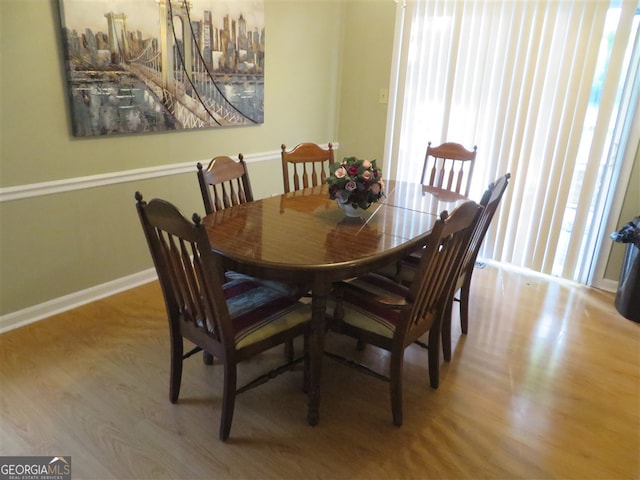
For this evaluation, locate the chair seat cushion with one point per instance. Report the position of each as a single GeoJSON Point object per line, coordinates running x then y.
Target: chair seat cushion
{"type": "Point", "coordinates": [409, 267]}
{"type": "Point", "coordinates": [259, 312]}
{"type": "Point", "coordinates": [367, 302]}
{"type": "Point", "coordinates": [289, 289]}
{"type": "Point", "coordinates": [402, 271]}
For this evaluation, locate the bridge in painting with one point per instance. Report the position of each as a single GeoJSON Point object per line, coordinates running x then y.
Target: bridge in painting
{"type": "Point", "coordinates": [174, 69]}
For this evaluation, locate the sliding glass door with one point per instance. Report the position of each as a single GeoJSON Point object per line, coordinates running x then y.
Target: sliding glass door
{"type": "Point", "coordinates": [547, 90]}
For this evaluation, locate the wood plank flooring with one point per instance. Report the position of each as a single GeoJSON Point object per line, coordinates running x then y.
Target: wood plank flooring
{"type": "Point", "coordinates": [545, 385]}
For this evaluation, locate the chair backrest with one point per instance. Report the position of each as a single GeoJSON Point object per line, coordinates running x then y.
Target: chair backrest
{"type": "Point", "coordinates": [490, 201]}
{"type": "Point", "coordinates": [307, 160]}
{"type": "Point", "coordinates": [449, 166]}
{"type": "Point", "coordinates": [435, 278]}
{"type": "Point", "coordinates": [190, 276]}
{"type": "Point", "coordinates": [224, 183]}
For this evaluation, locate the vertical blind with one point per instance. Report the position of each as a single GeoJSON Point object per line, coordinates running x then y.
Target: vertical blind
{"type": "Point", "coordinates": [536, 86]}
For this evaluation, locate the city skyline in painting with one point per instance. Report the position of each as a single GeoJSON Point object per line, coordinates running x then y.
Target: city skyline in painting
{"type": "Point", "coordinates": [130, 72]}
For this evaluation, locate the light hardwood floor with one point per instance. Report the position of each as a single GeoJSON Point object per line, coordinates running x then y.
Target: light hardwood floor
{"type": "Point", "coordinates": [545, 385]}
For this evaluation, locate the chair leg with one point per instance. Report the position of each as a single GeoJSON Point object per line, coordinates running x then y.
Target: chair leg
{"type": "Point", "coordinates": [175, 377]}
{"type": "Point", "coordinates": [446, 332]}
{"type": "Point", "coordinates": [434, 356]}
{"type": "Point", "coordinates": [207, 358]}
{"type": "Point", "coordinates": [306, 378]}
{"type": "Point", "coordinates": [395, 386]}
{"type": "Point", "coordinates": [288, 351]}
{"type": "Point", "coordinates": [228, 399]}
{"type": "Point", "coordinates": [464, 305]}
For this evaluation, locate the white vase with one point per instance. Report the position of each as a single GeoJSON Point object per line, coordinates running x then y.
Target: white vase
{"type": "Point", "coordinates": [350, 210]}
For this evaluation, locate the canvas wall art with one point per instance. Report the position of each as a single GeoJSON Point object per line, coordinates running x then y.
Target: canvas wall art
{"type": "Point", "coordinates": [140, 66]}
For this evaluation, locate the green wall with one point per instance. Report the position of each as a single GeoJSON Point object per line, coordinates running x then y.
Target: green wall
{"type": "Point", "coordinates": [57, 244]}
{"type": "Point", "coordinates": [366, 69]}
{"type": "Point", "coordinates": [326, 62]}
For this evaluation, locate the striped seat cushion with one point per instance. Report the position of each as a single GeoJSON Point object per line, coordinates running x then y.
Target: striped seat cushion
{"type": "Point", "coordinates": [258, 311]}
{"type": "Point", "coordinates": [292, 290]}
{"type": "Point", "coordinates": [402, 271]}
{"type": "Point", "coordinates": [363, 311]}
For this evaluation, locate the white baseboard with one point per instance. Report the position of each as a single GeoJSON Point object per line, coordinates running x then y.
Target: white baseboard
{"type": "Point", "coordinates": [68, 302]}
{"type": "Point", "coordinates": [604, 283]}
{"type": "Point", "coordinates": [73, 300]}
{"type": "Point", "coordinates": [607, 285]}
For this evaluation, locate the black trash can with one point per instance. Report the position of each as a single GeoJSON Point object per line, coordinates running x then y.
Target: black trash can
{"type": "Point", "coordinates": [628, 294]}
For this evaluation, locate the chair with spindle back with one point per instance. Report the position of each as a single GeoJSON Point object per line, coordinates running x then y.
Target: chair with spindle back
{"type": "Point", "coordinates": [449, 166]}
{"type": "Point", "coordinates": [377, 311]}
{"type": "Point", "coordinates": [231, 320]}
{"type": "Point", "coordinates": [306, 165]}
{"type": "Point", "coordinates": [490, 201]}
{"type": "Point", "coordinates": [224, 183]}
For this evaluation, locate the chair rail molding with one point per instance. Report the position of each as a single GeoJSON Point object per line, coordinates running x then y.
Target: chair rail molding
{"type": "Point", "coordinates": [19, 192]}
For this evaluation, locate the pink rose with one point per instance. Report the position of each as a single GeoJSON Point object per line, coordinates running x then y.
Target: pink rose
{"type": "Point", "coordinates": [350, 186]}
{"type": "Point", "coordinates": [340, 173]}
{"type": "Point", "coordinates": [366, 164]}
{"type": "Point", "coordinates": [366, 175]}
{"type": "Point", "coordinates": [375, 188]}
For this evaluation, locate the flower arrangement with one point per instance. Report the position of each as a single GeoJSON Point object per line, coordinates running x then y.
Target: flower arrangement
{"type": "Point", "coordinates": [355, 182]}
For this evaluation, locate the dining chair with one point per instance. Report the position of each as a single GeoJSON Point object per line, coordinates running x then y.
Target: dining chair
{"type": "Point", "coordinates": [490, 201]}
{"type": "Point", "coordinates": [377, 311]}
{"type": "Point", "coordinates": [232, 320]}
{"type": "Point", "coordinates": [224, 183]}
{"type": "Point", "coordinates": [449, 166]}
{"type": "Point", "coordinates": [306, 165]}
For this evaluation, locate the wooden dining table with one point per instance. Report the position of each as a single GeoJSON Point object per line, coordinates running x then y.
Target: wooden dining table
{"type": "Point", "coordinates": [304, 238]}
